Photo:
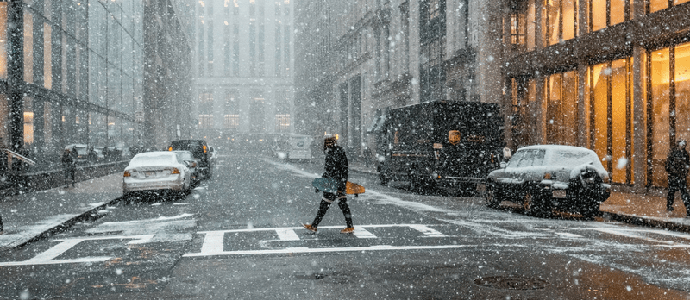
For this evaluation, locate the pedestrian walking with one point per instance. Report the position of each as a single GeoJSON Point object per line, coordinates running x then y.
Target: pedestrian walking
{"type": "Point", "coordinates": [677, 166]}
{"type": "Point", "coordinates": [68, 165]}
{"type": "Point", "coordinates": [335, 166]}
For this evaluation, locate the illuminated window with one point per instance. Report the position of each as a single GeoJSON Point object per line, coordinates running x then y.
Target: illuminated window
{"type": "Point", "coordinates": [205, 121]}
{"type": "Point", "coordinates": [3, 39]}
{"type": "Point", "coordinates": [231, 121]}
{"type": "Point", "coordinates": [660, 114]}
{"type": "Point", "coordinates": [656, 5]}
{"type": "Point", "coordinates": [282, 123]}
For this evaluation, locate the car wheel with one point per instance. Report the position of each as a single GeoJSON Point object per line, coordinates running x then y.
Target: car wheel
{"type": "Point", "coordinates": [492, 196]}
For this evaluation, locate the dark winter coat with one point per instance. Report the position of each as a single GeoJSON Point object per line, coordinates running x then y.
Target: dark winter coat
{"type": "Point", "coordinates": [678, 163]}
{"type": "Point", "coordinates": [336, 165]}
{"type": "Point", "coordinates": [67, 160]}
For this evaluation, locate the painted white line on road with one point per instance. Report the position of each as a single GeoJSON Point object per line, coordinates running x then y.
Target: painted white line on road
{"type": "Point", "coordinates": [55, 251]}
{"type": "Point", "coordinates": [54, 262]}
{"type": "Point", "coordinates": [362, 233]}
{"type": "Point", "coordinates": [48, 256]}
{"type": "Point", "coordinates": [213, 242]}
{"type": "Point", "coordinates": [287, 234]}
{"type": "Point", "coordinates": [427, 231]}
{"type": "Point", "coordinates": [301, 250]}
{"type": "Point", "coordinates": [419, 227]}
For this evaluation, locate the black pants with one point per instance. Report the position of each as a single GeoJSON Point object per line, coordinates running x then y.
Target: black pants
{"type": "Point", "coordinates": [328, 198]}
{"type": "Point", "coordinates": [677, 184]}
{"type": "Point", "coordinates": [69, 174]}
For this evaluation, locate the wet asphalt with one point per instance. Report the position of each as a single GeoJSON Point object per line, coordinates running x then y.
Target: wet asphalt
{"type": "Point", "coordinates": [237, 236]}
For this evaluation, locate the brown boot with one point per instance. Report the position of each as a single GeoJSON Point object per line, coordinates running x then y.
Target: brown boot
{"type": "Point", "coordinates": [309, 227]}
{"type": "Point", "coordinates": [348, 230]}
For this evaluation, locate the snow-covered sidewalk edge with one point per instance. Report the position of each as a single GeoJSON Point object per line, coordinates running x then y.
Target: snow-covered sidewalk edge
{"type": "Point", "coordinates": [50, 226]}
{"type": "Point", "coordinates": [676, 224]}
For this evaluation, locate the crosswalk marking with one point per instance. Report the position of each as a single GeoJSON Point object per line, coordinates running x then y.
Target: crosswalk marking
{"type": "Point", "coordinates": [213, 242]}
{"type": "Point", "coordinates": [301, 250]}
{"type": "Point", "coordinates": [427, 231]}
{"type": "Point", "coordinates": [48, 257]}
{"type": "Point", "coordinates": [287, 234]}
{"type": "Point", "coordinates": [362, 233]}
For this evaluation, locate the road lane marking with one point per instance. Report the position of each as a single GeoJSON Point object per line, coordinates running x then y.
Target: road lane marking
{"type": "Point", "coordinates": [48, 257]}
{"type": "Point", "coordinates": [362, 233]}
{"type": "Point", "coordinates": [302, 250]}
{"type": "Point", "coordinates": [213, 242]}
{"type": "Point", "coordinates": [427, 231]}
{"type": "Point", "coordinates": [287, 234]}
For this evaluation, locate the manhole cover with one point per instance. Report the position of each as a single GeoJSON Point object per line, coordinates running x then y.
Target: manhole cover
{"type": "Point", "coordinates": [511, 283]}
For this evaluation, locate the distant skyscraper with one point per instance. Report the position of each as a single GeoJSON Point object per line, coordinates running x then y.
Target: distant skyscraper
{"type": "Point", "coordinates": [242, 54]}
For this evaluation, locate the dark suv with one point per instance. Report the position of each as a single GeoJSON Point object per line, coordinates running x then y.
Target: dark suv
{"type": "Point", "coordinates": [199, 150]}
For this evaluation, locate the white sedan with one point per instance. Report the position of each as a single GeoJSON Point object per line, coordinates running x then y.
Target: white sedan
{"type": "Point", "coordinates": [156, 172]}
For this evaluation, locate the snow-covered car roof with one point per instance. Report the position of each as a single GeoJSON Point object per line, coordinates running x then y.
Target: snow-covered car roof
{"type": "Point", "coordinates": [567, 156]}
{"type": "Point", "coordinates": [159, 158]}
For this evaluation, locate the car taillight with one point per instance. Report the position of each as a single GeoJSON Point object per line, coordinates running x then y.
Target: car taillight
{"type": "Point", "coordinates": [547, 175]}
{"type": "Point", "coordinates": [126, 174]}
{"type": "Point", "coordinates": [205, 149]}
{"type": "Point", "coordinates": [170, 148]}
{"type": "Point", "coordinates": [176, 171]}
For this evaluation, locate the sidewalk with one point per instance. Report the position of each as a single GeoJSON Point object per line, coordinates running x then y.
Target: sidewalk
{"type": "Point", "coordinates": [647, 210]}
{"type": "Point", "coordinates": [31, 215]}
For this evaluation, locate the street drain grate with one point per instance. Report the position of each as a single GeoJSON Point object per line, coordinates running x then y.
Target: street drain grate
{"type": "Point", "coordinates": [310, 276]}
{"type": "Point", "coordinates": [511, 283]}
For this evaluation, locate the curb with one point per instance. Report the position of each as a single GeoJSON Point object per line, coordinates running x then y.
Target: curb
{"type": "Point", "coordinates": [91, 213]}
{"type": "Point", "coordinates": [647, 222]}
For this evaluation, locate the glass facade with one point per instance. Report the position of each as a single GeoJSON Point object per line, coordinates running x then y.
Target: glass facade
{"type": "Point", "coordinates": [82, 70]}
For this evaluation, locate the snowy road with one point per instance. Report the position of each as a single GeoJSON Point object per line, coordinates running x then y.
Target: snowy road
{"type": "Point", "coordinates": [238, 236]}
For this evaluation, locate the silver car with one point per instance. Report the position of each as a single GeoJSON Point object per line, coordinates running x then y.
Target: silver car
{"type": "Point", "coordinates": [157, 172]}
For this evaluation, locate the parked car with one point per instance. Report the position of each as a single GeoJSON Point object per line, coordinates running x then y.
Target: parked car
{"type": "Point", "coordinates": [160, 171]}
{"type": "Point", "coordinates": [199, 150]}
{"type": "Point", "coordinates": [550, 176]}
{"type": "Point", "coordinates": [299, 146]}
{"type": "Point", "coordinates": [214, 153]}
{"type": "Point", "coordinates": [85, 153]}
{"type": "Point", "coordinates": [192, 163]}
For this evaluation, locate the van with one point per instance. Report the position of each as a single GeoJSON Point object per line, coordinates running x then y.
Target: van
{"type": "Point", "coordinates": [299, 146]}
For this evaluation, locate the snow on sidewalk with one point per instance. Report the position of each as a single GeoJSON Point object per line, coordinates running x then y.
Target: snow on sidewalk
{"type": "Point", "coordinates": [29, 215]}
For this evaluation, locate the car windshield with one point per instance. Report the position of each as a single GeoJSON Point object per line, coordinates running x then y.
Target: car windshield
{"type": "Point", "coordinates": [526, 158]}
{"type": "Point", "coordinates": [152, 159]}
{"type": "Point", "coordinates": [572, 158]}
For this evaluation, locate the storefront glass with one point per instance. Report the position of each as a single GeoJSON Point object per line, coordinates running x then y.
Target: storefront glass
{"type": "Point", "coordinates": [3, 39]}
{"type": "Point", "coordinates": [619, 113]}
{"type": "Point", "coordinates": [561, 111]}
{"type": "Point", "coordinates": [656, 5]}
{"type": "Point", "coordinates": [660, 115]}
{"type": "Point", "coordinates": [599, 118]}
{"type": "Point", "coordinates": [617, 11]}
{"type": "Point", "coordinates": [598, 14]}
{"type": "Point", "coordinates": [681, 79]}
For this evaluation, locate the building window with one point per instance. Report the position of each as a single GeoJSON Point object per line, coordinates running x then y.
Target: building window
{"type": "Point", "coordinates": [282, 123]}
{"type": "Point", "coordinates": [609, 87]}
{"type": "Point", "coordinates": [205, 121]}
{"type": "Point", "coordinates": [3, 39]}
{"type": "Point", "coordinates": [206, 103]}
{"type": "Point", "coordinates": [252, 49]}
{"type": "Point", "coordinates": [278, 53]}
{"type": "Point", "coordinates": [561, 109]}
{"type": "Point", "coordinates": [236, 51]}
{"type": "Point", "coordinates": [28, 47]}
{"type": "Point", "coordinates": [231, 110]}
{"type": "Point", "coordinates": [226, 50]}
{"type": "Point", "coordinates": [210, 49]}
{"type": "Point", "coordinates": [201, 54]}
